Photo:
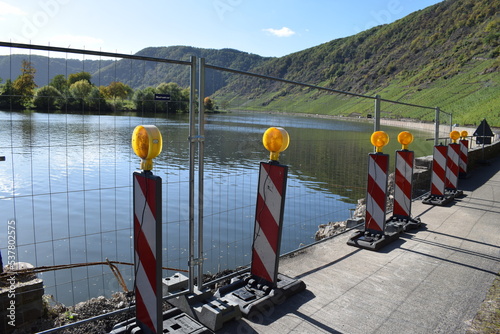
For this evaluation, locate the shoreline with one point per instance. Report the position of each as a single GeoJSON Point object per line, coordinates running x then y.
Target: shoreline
{"type": "Point", "coordinates": [417, 125]}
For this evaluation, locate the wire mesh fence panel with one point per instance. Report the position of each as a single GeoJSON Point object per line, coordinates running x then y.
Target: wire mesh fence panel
{"type": "Point", "coordinates": [67, 178]}
{"type": "Point", "coordinates": [66, 181]}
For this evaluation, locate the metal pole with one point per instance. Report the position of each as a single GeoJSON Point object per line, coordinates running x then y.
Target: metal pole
{"type": "Point", "coordinates": [201, 146]}
{"type": "Point", "coordinates": [192, 148]}
{"type": "Point", "coordinates": [484, 137]}
{"type": "Point", "coordinates": [377, 113]}
{"type": "Point", "coordinates": [451, 122]}
{"type": "Point", "coordinates": [436, 127]}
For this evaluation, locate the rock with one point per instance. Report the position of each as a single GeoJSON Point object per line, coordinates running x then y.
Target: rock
{"type": "Point", "coordinates": [330, 229]}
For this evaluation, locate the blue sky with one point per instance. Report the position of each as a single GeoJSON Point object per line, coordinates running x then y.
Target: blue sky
{"type": "Point", "coordinates": [267, 28]}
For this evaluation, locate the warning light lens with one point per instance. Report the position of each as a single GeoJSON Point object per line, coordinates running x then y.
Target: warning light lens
{"type": "Point", "coordinates": [464, 134]}
{"type": "Point", "coordinates": [379, 139]}
{"type": "Point", "coordinates": [454, 135]}
{"type": "Point", "coordinates": [147, 144]}
{"type": "Point", "coordinates": [275, 140]}
{"type": "Point", "coordinates": [405, 138]}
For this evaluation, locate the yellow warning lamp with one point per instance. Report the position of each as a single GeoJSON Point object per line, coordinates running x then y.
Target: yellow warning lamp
{"type": "Point", "coordinates": [379, 139]}
{"type": "Point", "coordinates": [405, 138]}
{"type": "Point", "coordinates": [464, 134]}
{"type": "Point", "coordinates": [454, 135]}
{"type": "Point", "coordinates": [275, 140]}
{"type": "Point", "coordinates": [147, 144]}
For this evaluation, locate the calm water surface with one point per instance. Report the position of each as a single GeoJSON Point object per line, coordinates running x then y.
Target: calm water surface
{"type": "Point", "coordinates": [66, 182]}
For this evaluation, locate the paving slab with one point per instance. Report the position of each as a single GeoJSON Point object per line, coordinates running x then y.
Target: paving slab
{"type": "Point", "coordinates": [432, 280]}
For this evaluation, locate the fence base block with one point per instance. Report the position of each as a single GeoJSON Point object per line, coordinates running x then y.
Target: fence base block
{"type": "Point", "coordinates": [372, 241]}
{"type": "Point", "coordinates": [455, 193]}
{"type": "Point", "coordinates": [207, 309]}
{"type": "Point", "coordinates": [404, 223]}
{"type": "Point", "coordinates": [438, 200]}
{"type": "Point", "coordinates": [174, 321]}
{"type": "Point", "coordinates": [255, 298]}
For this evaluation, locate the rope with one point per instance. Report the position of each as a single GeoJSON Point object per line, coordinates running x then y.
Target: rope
{"type": "Point", "coordinates": [118, 275]}
{"type": "Point", "coordinates": [111, 264]}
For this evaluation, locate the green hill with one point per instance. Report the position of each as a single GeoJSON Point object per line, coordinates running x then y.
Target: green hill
{"type": "Point", "coordinates": [446, 55]}
{"type": "Point", "coordinates": [135, 74]}
{"type": "Point", "coordinates": [152, 74]}
{"type": "Point", "coordinates": [10, 67]}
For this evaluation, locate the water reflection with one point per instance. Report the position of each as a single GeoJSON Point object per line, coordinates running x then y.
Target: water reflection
{"type": "Point", "coordinates": [67, 182]}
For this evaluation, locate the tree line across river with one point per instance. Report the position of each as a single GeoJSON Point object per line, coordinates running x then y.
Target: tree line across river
{"type": "Point", "coordinates": [78, 93]}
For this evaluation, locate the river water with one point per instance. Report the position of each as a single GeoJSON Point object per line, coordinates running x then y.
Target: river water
{"type": "Point", "coordinates": [66, 182]}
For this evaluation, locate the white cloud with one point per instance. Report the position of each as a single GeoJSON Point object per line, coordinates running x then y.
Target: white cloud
{"type": "Point", "coordinates": [283, 32]}
{"type": "Point", "coordinates": [7, 9]}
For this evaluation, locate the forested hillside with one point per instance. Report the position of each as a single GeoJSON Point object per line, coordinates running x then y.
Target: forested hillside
{"type": "Point", "coordinates": [152, 74]}
{"type": "Point", "coordinates": [446, 55]}
{"type": "Point", "coordinates": [451, 48]}
{"type": "Point", "coordinates": [133, 73]}
{"type": "Point", "coordinates": [46, 69]}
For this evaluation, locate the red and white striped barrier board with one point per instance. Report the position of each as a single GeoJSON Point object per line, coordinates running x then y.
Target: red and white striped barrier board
{"type": "Point", "coordinates": [464, 153]}
{"type": "Point", "coordinates": [268, 221]}
{"type": "Point", "coordinates": [403, 183]}
{"type": "Point", "coordinates": [378, 166]}
{"type": "Point", "coordinates": [147, 246]}
{"type": "Point", "coordinates": [439, 170]}
{"type": "Point", "coordinates": [452, 166]}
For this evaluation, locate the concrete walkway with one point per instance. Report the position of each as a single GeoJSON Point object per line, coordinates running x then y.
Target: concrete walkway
{"type": "Point", "coordinates": [429, 281]}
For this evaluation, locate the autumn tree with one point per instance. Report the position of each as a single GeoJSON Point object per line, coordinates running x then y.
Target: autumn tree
{"type": "Point", "coordinates": [25, 85]}
{"type": "Point", "coordinates": [75, 77]}
{"type": "Point", "coordinates": [118, 90]}
{"type": "Point", "coordinates": [208, 103]}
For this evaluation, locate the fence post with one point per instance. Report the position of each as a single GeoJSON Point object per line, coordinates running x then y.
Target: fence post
{"type": "Point", "coordinates": [192, 149]}
{"type": "Point", "coordinates": [436, 127]}
{"type": "Point", "coordinates": [377, 114]}
{"type": "Point", "coordinates": [201, 153]}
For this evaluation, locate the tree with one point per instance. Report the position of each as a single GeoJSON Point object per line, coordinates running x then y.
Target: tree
{"type": "Point", "coordinates": [95, 99]}
{"type": "Point", "coordinates": [75, 77]}
{"type": "Point", "coordinates": [208, 103]}
{"type": "Point", "coordinates": [118, 90]}
{"type": "Point", "coordinates": [80, 90]}
{"type": "Point", "coordinates": [60, 83]}
{"type": "Point", "coordinates": [8, 99]}
{"type": "Point", "coordinates": [47, 97]}
{"type": "Point", "coordinates": [25, 85]}
{"type": "Point", "coordinates": [144, 99]}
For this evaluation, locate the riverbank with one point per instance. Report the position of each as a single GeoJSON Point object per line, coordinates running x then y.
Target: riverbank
{"type": "Point", "coordinates": [400, 123]}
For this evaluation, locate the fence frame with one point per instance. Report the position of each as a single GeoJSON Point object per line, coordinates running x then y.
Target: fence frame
{"type": "Point", "coordinates": [196, 140]}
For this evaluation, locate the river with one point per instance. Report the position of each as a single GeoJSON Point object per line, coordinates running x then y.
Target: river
{"type": "Point", "coordinates": [66, 182]}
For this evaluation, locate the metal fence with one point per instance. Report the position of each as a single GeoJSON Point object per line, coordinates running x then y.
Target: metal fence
{"type": "Point", "coordinates": [66, 181]}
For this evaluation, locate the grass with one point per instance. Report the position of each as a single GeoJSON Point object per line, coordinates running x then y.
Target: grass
{"type": "Point", "coordinates": [470, 96]}
{"type": "Point", "coordinates": [487, 320]}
